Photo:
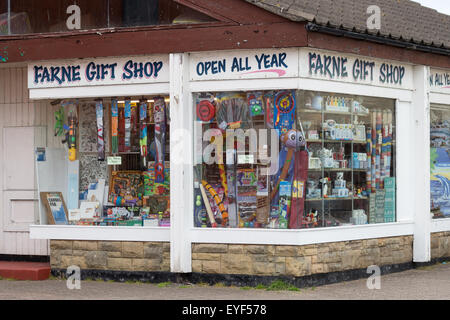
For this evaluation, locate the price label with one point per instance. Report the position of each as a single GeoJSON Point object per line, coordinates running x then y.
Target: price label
{"type": "Point", "coordinates": [245, 159]}
{"type": "Point", "coordinates": [114, 161]}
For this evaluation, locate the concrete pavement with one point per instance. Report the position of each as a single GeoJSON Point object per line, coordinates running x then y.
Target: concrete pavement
{"type": "Point", "coordinates": [429, 283]}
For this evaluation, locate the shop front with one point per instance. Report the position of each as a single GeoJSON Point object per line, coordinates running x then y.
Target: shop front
{"type": "Point", "coordinates": [439, 82]}
{"type": "Point", "coordinates": [268, 162]}
{"type": "Point", "coordinates": [110, 178]}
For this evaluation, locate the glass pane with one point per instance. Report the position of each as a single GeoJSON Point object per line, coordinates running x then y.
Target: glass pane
{"type": "Point", "coordinates": [46, 16]}
{"type": "Point", "coordinates": [122, 146]}
{"type": "Point", "coordinates": [293, 159]}
{"type": "Point", "coordinates": [440, 161]}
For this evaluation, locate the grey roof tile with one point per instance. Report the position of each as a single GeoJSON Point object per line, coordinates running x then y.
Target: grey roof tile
{"type": "Point", "coordinates": [400, 19]}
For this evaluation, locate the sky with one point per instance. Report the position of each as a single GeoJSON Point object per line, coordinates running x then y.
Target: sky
{"type": "Point", "coordinates": [442, 6]}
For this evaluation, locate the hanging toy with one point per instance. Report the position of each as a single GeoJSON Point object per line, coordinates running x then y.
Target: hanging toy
{"type": "Point", "coordinates": [143, 131]}
{"type": "Point", "coordinates": [100, 138]}
{"type": "Point", "coordinates": [59, 122]}
{"type": "Point", "coordinates": [255, 103]}
{"type": "Point", "coordinates": [284, 111]}
{"type": "Point", "coordinates": [206, 110]}
{"type": "Point", "coordinates": [127, 116]}
{"type": "Point", "coordinates": [114, 126]}
{"type": "Point", "coordinates": [71, 134]}
{"type": "Point", "coordinates": [268, 104]}
{"type": "Point", "coordinates": [72, 137]}
{"type": "Point", "coordinates": [159, 114]}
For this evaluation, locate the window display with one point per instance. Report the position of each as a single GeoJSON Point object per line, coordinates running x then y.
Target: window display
{"type": "Point", "coordinates": [130, 136]}
{"type": "Point", "coordinates": [440, 161]}
{"type": "Point", "coordinates": [293, 159]}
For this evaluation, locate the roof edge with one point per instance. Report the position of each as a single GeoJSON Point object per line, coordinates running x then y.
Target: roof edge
{"type": "Point", "coordinates": [314, 27]}
{"type": "Point", "coordinates": [288, 13]}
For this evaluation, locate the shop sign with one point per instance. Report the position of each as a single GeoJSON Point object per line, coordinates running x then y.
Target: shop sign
{"type": "Point", "coordinates": [94, 72]}
{"type": "Point", "coordinates": [244, 64]}
{"type": "Point", "coordinates": [439, 81]}
{"type": "Point", "coordinates": [355, 69]}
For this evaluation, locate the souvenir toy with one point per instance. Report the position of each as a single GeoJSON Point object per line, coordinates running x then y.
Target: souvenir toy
{"type": "Point", "coordinates": [284, 111]}
{"type": "Point", "coordinates": [326, 158]}
{"type": "Point", "coordinates": [127, 116]}
{"type": "Point", "coordinates": [255, 103]}
{"type": "Point", "coordinates": [338, 104]}
{"type": "Point", "coordinates": [212, 220]}
{"type": "Point", "coordinates": [159, 114]}
{"type": "Point", "coordinates": [218, 201]}
{"type": "Point", "coordinates": [268, 100]}
{"type": "Point", "coordinates": [206, 109]}
{"type": "Point", "coordinates": [292, 140]}
{"type": "Point", "coordinates": [114, 127]}
{"type": "Point", "coordinates": [340, 189]}
{"type": "Point", "coordinates": [324, 182]}
{"type": "Point", "coordinates": [312, 190]}
{"type": "Point", "coordinates": [143, 131]}
{"type": "Point", "coordinates": [59, 122]}
{"type": "Point", "coordinates": [100, 131]}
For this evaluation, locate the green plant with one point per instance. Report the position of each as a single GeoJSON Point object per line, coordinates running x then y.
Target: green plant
{"type": "Point", "coordinates": [246, 288]}
{"type": "Point", "coordinates": [261, 287]}
{"type": "Point", "coordinates": [164, 284]}
{"type": "Point", "coordinates": [279, 285]}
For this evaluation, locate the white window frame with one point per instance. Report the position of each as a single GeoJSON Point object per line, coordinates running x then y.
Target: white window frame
{"type": "Point", "coordinates": [404, 209]}
{"type": "Point", "coordinates": [109, 233]}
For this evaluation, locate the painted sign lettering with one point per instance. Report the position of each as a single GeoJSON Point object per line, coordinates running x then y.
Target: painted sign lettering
{"type": "Point", "coordinates": [440, 79]}
{"type": "Point", "coordinates": [244, 64]}
{"type": "Point", "coordinates": [360, 70]}
{"type": "Point", "coordinates": [98, 72]}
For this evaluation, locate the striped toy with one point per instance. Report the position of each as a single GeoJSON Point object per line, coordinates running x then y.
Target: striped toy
{"type": "Point", "coordinates": [218, 201]}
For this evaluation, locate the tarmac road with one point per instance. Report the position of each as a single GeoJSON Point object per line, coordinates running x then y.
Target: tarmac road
{"type": "Point", "coordinates": [426, 283]}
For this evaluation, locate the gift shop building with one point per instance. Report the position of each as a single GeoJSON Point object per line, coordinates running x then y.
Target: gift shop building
{"type": "Point", "coordinates": [233, 141]}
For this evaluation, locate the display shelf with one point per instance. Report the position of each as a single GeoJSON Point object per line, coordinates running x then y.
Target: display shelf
{"type": "Point", "coordinates": [336, 198]}
{"type": "Point", "coordinates": [333, 112]}
{"type": "Point", "coordinates": [335, 141]}
{"type": "Point", "coordinates": [337, 169]}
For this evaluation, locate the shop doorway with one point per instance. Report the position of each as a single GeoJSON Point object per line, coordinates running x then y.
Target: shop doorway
{"type": "Point", "coordinates": [18, 190]}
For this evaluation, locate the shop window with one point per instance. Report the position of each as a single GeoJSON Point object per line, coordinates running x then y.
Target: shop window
{"type": "Point", "coordinates": [440, 161]}
{"type": "Point", "coordinates": [47, 16]}
{"type": "Point", "coordinates": [122, 145]}
{"type": "Point", "coordinates": [293, 159]}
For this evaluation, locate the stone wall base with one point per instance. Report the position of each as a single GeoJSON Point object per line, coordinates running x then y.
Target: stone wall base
{"type": "Point", "coordinates": [110, 255]}
{"type": "Point", "coordinates": [440, 244]}
{"type": "Point", "coordinates": [298, 261]}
